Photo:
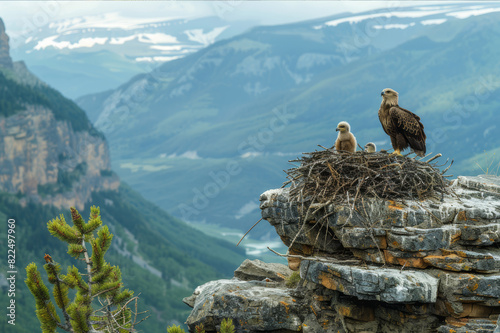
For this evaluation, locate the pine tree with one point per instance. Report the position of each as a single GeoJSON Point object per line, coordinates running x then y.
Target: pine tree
{"type": "Point", "coordinates": [101, 286]}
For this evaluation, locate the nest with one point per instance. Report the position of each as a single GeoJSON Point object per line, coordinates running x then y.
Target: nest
{"type": "Point", "coordinates": [327, 176]}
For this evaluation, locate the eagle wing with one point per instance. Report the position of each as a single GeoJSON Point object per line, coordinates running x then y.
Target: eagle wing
{"type": "Point", "coordinates": [408, 124]}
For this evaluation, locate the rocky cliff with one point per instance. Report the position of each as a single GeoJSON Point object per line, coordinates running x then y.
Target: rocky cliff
{"type": "Point", "coordinates": [42, 155]}
{"type": "Point", "coordinates": [5, 60]}
{"type": "Point", "coordinates": [49, 162]}
{"type": "Point", "coordinates": [373, 266]}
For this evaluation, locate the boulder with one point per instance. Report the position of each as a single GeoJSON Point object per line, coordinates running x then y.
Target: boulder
{"type": "Point", "coordinates": [258, 270]}
{"type": "Point", "coordinates": [254, 306]}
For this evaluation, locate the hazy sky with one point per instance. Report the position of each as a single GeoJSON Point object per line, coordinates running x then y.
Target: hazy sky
{"type": "Point", "coordinates": [20, 16]}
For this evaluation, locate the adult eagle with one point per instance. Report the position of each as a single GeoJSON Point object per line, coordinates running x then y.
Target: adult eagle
{"type": "Point", "coordinates": [345, 140]}
{"type": "Point", "coordinates": [403, 126]}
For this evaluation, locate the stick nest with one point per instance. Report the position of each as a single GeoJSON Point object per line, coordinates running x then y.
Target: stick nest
{"type": "Point", "coordinates": [332, 177]}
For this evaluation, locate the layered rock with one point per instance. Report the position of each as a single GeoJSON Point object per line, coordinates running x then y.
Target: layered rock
{"type": "Point", "coordinates": [44, 159]}
{"type": "Point", "coordinates": [443, 253]}
{"type": "Point", "coordinates": [37, 152]}
{"type": "Point", "coordinates": [375, 265]}
{"type": "Point", "coordinates": [5, 59]}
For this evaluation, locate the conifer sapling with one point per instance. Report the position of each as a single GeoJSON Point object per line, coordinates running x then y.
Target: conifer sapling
{"type": "Point", "coordinates": [101, 283]}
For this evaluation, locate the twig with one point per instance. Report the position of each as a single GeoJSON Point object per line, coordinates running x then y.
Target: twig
{"type": "Point", "coordinates": [320, 259]}
{"type": "Point", "coordinates": [433, 158]}
{"type": "Point", "coordinates": [246, 233]}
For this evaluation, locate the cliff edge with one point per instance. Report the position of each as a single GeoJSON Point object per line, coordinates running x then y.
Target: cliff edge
{"type": "Point", "coordinates": [5, 59]}
{"type": "Point", "coordinates": [373, 265]}
{"type": "Point", "coordinates": [49, 151]}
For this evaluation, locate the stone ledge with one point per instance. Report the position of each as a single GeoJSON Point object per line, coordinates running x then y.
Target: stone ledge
{"type": "Point", "coordinates": [256, 270]}
{"type": "Point", "coordinates": [373, 283]}
{"type": "Point", "coordinates": [260, 305]}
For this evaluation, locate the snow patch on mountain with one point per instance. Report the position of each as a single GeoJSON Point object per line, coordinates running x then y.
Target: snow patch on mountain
{"type": "Point", "coordinates": [178, 47]}
{"type": "Point", "coordinates": [394, 26]}
{"type": "Point", "coordinates": [156, 59]}
{"type": "Point", "coordinates": [197, 35]}
{"type": "Point", "coordinates": [414, 13]}
{"type": "Point", "coordinates": [433, 21]}
{"type": "Point", "coordinates": [156, 38]}
{"type": "Point", "coordinates": [474, 12]}
{"type": "Point", "coordinates": [152, 38]}
{"type": "Point", "coordinates": [122, 40]}
{"type": "Point", "coordinates": [83, 42]}
{"type": "Point", "coordinates": [389, 14]}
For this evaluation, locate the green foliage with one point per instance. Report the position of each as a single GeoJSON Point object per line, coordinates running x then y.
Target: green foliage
{"type": "Point", "coordinates": [106, 173]}
{"type": "Point", "coordinates": [66, 110]}
{"type": "Point", "coordinates": [175, 329]}
{"type": "Point", "coordinates": [104, 282]}
{"type": "Point", "coordinates": [14, 97]}
{"type": "Point", "coordinates": [45, 310]}
{"type": "Point", "coordinates": [226, 326]}
{"type": "Point", "coordinates": [199, 328]}
{"type": "Point", "coordinates": [65, 180]}
{"type": "Point", "coordinates": [188, 256]}
{"type": "Point", "coordinates": [293, 280]}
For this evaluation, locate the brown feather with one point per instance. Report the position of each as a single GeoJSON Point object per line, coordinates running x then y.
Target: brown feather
{"type": "Point", "coordinates": [403, 127]}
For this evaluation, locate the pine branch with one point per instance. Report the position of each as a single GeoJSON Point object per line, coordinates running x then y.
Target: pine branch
{"type": "Point", "coordinates": [100, 279]}
{"type": "Point", "coordinates": [45, 310]}
{"type": "Point", "coordinates": [60, 290]}
{"type": "Point", "coordinates": [89, 276]}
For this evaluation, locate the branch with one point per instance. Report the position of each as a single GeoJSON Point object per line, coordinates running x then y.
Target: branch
{"type": "Point", "coordinates": [320, 259]}
{"type": "Point", "coordinates": [58, 286]}
{"type": "Point", "coordinates": [88, 262]}
{"type": "Point", "coordinates": [433, 158]}
{"type": "Point", "coordinates": [246, 233]}
{"type": "Point", "coordinates": [66, 326]}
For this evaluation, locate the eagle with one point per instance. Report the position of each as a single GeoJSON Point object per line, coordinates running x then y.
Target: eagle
{"type": "Point", "coordinates": [370, 147]}
{"type": "Point", "coordinates": [403, 126]}
{"type": "Point", "coordinates": [345, 140]}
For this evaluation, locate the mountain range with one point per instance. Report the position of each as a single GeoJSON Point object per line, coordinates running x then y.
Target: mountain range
{"type": "Point", "coordinates": [204, 135]}
{"type": "Point", "coordinates": [52, 158]}
{"type": "Point", "coordinates": [91, 54]}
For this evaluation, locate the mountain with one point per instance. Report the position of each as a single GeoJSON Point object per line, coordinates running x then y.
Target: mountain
{"type": "Point", "coordinates": [51, 158]}
{"type": "Point", "coordinates": [90, 54]}
{"type": "Point", "coordinates": [196, 131]}
{"type": "Point", "coordinates": [5, 59]}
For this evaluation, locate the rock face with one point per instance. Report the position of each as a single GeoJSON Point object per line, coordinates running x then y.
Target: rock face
{"type": "Point", "coordinates": [36, 151]}
{"type": "Point", "coordinates": [45, 159]}
{"type": "Point", "coordinates": [5, 60]}
{"type": "Point", "coordinates": [379, 265]}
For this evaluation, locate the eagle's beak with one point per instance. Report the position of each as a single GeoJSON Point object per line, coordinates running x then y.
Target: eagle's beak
{"type": "Point", "coordinates": [382, 93]}
{"type": "Point", "coordinates": [337, 129]}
